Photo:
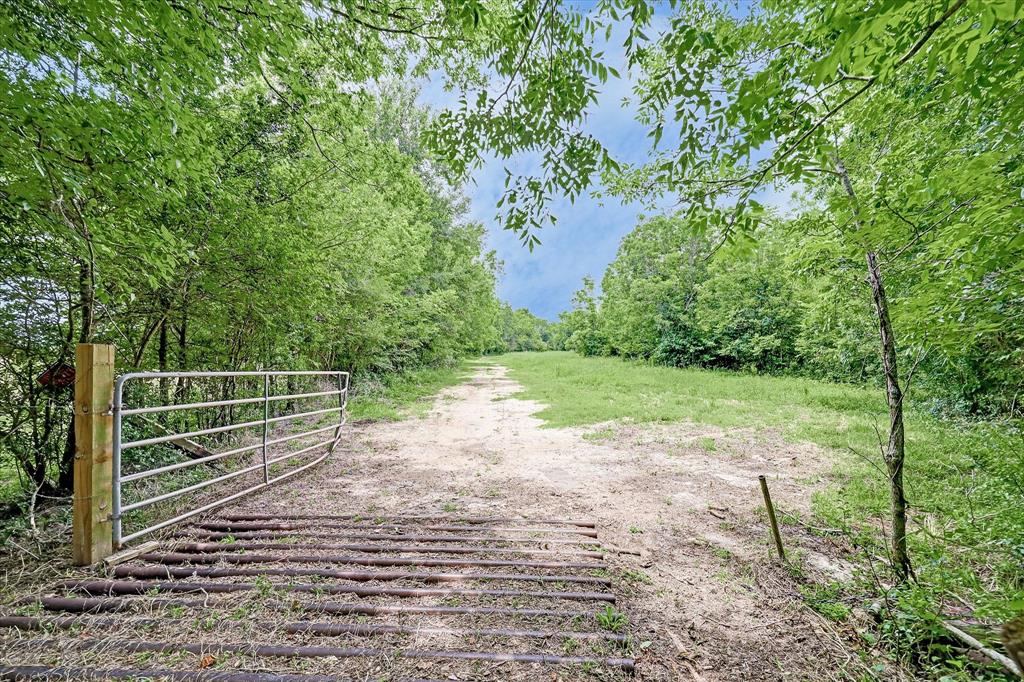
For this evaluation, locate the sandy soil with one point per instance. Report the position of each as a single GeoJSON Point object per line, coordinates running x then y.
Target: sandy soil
{"type": "Point", "coordinates": [681, 502]}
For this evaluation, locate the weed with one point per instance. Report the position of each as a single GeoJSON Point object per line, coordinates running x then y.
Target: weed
{"type": "Point", "coordinates": [207, 624]}
{"type": "Point", "coordinates": [263, 587]}
{"type": "Point", "coordinates": [600, 435]}
{"type": "Point", "coordinates": [957, 468]}
{"type": "Point", "coordinates": [393, 397]}
{"type": "Point", "coordinates": [636, 576]}
{"type": "Point", "coordinates": [826, 600]}
{"type": "Point", "coordinates": [612, 620]}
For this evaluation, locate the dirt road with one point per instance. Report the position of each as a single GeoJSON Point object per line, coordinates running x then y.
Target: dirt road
{"type": "Point", "coordinates": [677, 505]}
{"type": "Point", "coordinates": [680, 501]}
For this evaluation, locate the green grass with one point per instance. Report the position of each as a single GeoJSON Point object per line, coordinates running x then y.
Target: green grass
{"type": "Point", "coordinates": [965, 480]}
{"type": "Point", "coordinates": [398, 396]}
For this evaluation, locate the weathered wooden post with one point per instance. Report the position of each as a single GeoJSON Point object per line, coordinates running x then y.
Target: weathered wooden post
{"type": "Point", "coordinates": [92, 538]}
{"type": "Point", "coordinates": [771, 517]}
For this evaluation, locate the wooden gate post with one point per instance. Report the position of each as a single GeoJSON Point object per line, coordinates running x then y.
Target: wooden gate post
{"type": "Point", "coordinates": [92, 538]}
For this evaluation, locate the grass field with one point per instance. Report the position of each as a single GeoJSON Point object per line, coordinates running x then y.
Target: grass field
{"type": "Point", "coordinates": [400, 395]}
{"type": "Point", "coordinates": [952, 469]}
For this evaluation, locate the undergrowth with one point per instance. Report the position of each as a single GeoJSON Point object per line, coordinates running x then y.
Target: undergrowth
{"type": "Point", "coordinates": [398, 395]}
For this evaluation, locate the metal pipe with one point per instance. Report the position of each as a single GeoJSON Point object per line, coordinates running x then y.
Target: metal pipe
{"type": "Point", "coordinates": [168, 572]}
{"type": "Point", "coordinates": [115, 483]}
{"type": "Point", "coordinates": [269, 651]}
{"type": "Point", "coordinates": [218, 479]}
{"type": "Point", "coordinates": [189, 406]}
{"type": "Point", "coordinates": [304, 466]}
{"type": "Point", "coordinates": [220, 403]}
{"type": "Point", "coordinates": [94, 605]}
{"type": "Point", "coordinates": [236, 525]}
{"type": "Point", "coordinates": [156, 440]}
{"type": "Point", "coordinates": [275, 533]}
{"type": "Point", "coordinates": [190, 514]}
{"type": "Point", "coordinates": [266, 426]}
{"type": "Point", "coordinates": [180, 558]}
{"type": "Point", "coordinates": [422, 517]}
{"type": "Point", "coordinates": [203, 547]}
{"type": "Point", "coordinates": [21, 673]}
{"type": "Point", "coordinates": [314, 628]}
{"type": "Point", "coordinates": [117, 604]}
{"type": "Point", "coordinates": [250, 373]}
{"type": "Point", "coordinates": [342, 399]}
{"type": "Point", "coordinates": [296, 436]}
{"type": "Point", "coordinates": [149, 473]}
{"type": "Point", "coordinates": [119, 409]}
{"type": "Point", "coordinates": [219, 503]}
{"type": "Point", "coordinates": [129, 587]}
{"type": "Point", "coordinates": [370, 610]}
{"type": "Point", "coordinates": [312, 413]}
{"type": "Point", "coordinates": [368, 630]}
{"type": "Point", "coordinates": [297, 396]}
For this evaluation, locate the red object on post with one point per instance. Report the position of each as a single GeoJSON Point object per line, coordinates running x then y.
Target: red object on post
{"type": "Point", "coordinates": [57, 376]}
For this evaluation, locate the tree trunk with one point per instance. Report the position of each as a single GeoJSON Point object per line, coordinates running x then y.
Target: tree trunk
{"type": "Point", "coordinates": [147, 334]}
{"type": "Point", "coordinates": [87, 300]}
{"type": "Point", "coordinates": [894, 451]}
{"type": "Point", "coordinates": [182, 386]}
{"type": "Point", "coordinates": [161, 355]}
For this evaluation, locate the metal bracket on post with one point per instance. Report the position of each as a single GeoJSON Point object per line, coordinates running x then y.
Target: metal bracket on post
{"type": "Point", "coordinates": [92, 532]}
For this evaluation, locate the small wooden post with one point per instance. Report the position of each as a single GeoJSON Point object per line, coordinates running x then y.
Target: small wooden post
{"type": "Point", "coordinates": [92, 538]}
{"type": "Point", "coordinates": [771, 517]}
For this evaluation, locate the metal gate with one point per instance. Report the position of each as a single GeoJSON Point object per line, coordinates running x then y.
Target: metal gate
{"type": "Point", "coordinates": [267, 444]}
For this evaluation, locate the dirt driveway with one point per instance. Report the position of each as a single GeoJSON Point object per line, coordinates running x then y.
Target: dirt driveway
{"type": "Point", "coordinates": [680, 503]}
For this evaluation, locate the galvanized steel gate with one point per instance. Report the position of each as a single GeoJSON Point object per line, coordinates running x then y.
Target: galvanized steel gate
{"type": "Point", "coordinates": [339, 382]}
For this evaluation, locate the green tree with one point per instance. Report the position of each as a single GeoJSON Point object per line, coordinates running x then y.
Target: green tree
{"type": "Point", "coordinates": [780, 96]}
{"type": "Point", "coordinates": [521, 330]}
{"type": "Point", "coordinates": [650, 290]}
{"type": "Point", "coordinates": [747, 313]}
{"type": "Point", "coordinates": [583, 327]}
{"type": "Point", "coordinates": [180, 174]}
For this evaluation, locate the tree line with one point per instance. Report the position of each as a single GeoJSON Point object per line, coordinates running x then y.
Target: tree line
{"type": "Point", "coordinates": [241, 185]}
{"type": "Point", "coordinates": [776, 303]}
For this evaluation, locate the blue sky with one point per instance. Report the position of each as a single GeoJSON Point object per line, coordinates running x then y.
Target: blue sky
{"type": "Point", "coordinates": [589, 231]}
